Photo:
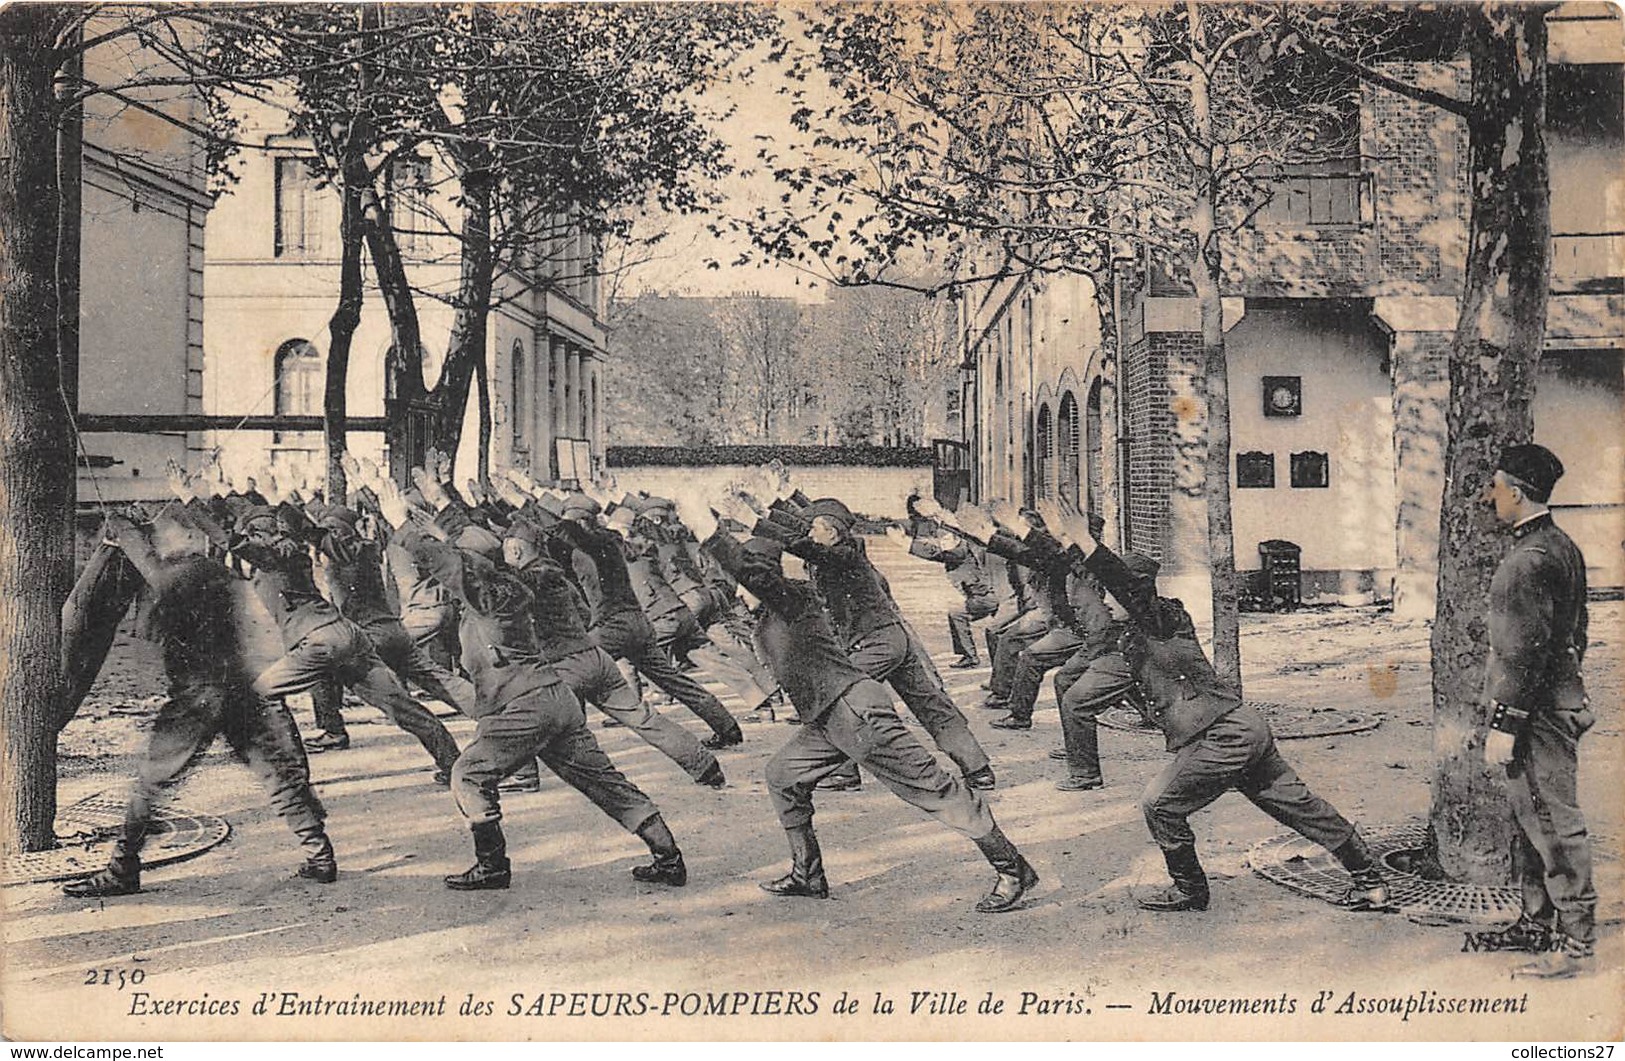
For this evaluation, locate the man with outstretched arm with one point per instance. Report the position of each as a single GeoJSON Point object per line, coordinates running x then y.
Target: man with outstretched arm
{"type": "Point", "coordinates": [878, 639]}
{"type": "Point", "coordinates": [537, 555]}
{"type": "Point", "coordinates": [526, 710]}
{"type": "Point", "coordinates": [622, 629]}
{"type": "Point", "coordinates": [1218, 742]}
{"type": "Point", "coordinates": [845, 715]}
{"type": "Point", "coordinates": [210, 693]}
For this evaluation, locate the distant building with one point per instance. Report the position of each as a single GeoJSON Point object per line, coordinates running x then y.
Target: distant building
{"type": "Point", "coordinates": [271, 256]}
{"type": "Point", "coordinates": [1339, 314]}
{"type": "Point", "coordinates": [143, 201]}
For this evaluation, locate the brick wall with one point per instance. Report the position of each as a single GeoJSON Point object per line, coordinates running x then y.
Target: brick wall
{"type": "Point", "coordinates": [1418, 157]}
{"type": "Point", "coordinates": [1150, 429]}
{"type": "Point", "coordinates": [1421, 377]}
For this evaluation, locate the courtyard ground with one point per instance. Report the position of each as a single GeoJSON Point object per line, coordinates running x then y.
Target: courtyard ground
{"type": "Point", "coordinates": [578, 950]}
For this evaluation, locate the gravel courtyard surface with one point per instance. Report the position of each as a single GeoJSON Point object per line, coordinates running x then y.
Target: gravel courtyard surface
{"type": "Point", "coordinates": [228, 946]}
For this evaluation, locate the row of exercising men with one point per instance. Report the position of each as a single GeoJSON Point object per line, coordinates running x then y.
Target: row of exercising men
{"type": "Point", "coordinates": [820, 620]}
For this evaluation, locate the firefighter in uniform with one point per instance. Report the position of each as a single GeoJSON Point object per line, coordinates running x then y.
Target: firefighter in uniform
{"type": "Point", "coordinates": [211, 693]}
{"type": "Point", "coordinates": [1218, 742]}
{"type": "Point", "coordinates": [845, 715]}
{"type": "Point", "coordinates": [1538, 713]}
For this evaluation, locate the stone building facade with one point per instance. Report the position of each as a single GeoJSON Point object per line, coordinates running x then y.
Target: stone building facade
{"type": "Point", "coordinates": [1339, 307]}
{"type": "Point", "coordinates": [272, 270]}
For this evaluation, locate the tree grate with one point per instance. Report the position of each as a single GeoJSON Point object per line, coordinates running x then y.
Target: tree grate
{"type": "Point", "coordinates": [1305, 867]}
{"type": "Point", "coordinates": [85, 833]}
{"type": "Point", "coordinates": [1286, 722]}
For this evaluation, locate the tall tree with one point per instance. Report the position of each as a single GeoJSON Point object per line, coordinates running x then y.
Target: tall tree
{"type": "Point", "coordinates": [1008, 143]}
{"type": "Point", "coordinates": [1494, 354]}
{"type": "Point", "coordinates": [42, 93]}
{"type": "Point", "coordinates": [36, 446]}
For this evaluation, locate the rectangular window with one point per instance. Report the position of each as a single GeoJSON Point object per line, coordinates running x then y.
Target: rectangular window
{"type": "Point", "coordinates": [1331, 192]}
{"type": "Point", "coordinates": [1255, 471]}
{"type": "Point", "coordinates": [409, 213]}
{"type": "Point", "coordinates": [1310, 470]}
{"type": "Point", "coordinates": [305, 220]}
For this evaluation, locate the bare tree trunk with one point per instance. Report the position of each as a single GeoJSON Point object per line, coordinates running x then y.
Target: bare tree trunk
{"type": "Point", "coordinates": [36, 452]}
{"type": "Point", "coordinates": [1493, 358]}
{"type": "Point", "coordinates": [482, 384]}
{"type": "Point", "coordinates": [1207, 272]}
{"type": "Point", "coordinates": [341, 328]}
{"type": "Point", "coordinates": [465, 351]}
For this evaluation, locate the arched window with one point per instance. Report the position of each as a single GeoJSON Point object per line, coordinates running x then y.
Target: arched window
{"type": "Point", "coordinates": [519, 397]}
{"type": "Point", "coordinates": [298, 388]}
{"type": "Point", "coordinates": [1044, 453]}
{"type": "Point", "coordinates": [1068, 446]}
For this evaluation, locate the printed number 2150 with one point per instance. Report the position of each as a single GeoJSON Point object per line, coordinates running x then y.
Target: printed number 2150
{"type": "Point", "coordinates": [118, 978]}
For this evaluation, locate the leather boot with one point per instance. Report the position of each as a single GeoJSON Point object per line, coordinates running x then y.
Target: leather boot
{"type": "Point", "coordinates": [1369, 890]}
{"type": "Point", "coordinates": [982, 779]}
{"type": "Point", "coordinates": [319, 865]}
{"type": "Point", "coordinates": [1086, 751]}
{"type": "Point", "coordinates": [1526, 934]}
{"type": "Point", "coordinates": [528, 778]}
{"type": "Point", "coordinates": [1016, 876]}
{"type": "Point", "coordinates": [491, 869]}
{"type": "Point", "coordinates": [667, 867]}
{"type": "Point", "coordinates": [1189, 891]}
{"type": "Point", "coordinates": [806, 876]}
{"type": "Point", "coordinates": [121, 877]}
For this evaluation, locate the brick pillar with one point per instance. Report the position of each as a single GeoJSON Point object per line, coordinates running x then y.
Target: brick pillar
{"type": "Point", "coordinates": [1111, 489]}
{"type": "Point", "coordinates": [1421, 395]}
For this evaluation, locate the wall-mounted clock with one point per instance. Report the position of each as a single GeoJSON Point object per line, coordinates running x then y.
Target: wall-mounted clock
{"type": "Point", "coordinates": [1283, 395]}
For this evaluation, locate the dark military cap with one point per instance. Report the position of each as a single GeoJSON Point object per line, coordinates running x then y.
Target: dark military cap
{"type": "Point", "coordinates": [1141, 567]}
{"type": "Point", "coordinates": [1535, 466]}
{"type": "Point", "coordinates": [579, 504]}
{"type": "Point", "coordinates": [526, 531]}
{"type": "Point", "coordinates": [835, 510]}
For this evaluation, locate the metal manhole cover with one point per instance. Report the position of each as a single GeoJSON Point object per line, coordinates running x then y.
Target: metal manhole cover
{"type": "Point", "coordinates": [86, 831]}
{"type": "Point", "coordinates": [1305, 867]}
{"type": "Point", "coordinates": [1286, 722]}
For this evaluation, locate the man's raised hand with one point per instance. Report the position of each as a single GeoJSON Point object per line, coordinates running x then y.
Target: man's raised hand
{"type": "Point", "coordinates": [975, 523]}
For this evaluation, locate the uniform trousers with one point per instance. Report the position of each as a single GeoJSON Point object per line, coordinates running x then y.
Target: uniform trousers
{"type": "Point", "coordinates": [261, 733]}
{"type": "Point", "coordinates": [961, 619]}
{"type": "Point", "coordinates": [1057, 646]}
{"type": "Point", "coordinates": [1237, 752]}
{"type": "Point", "coordinates": [894, 656]}
{"type": "Point", "coordinates": [340, 651]}
{"type": "Point", "coordinates": [1006, 646]}
{"type": "Point", "coordinates": [434, 628]}
{"type": "Point", "coordinates": [546, 723]}
{"type": "Point", "coordinates": [1084, 687]}
{"type": "Point", "coordinates": [862, 725]}
{"type": "Point", "coordinates": [1552, 853]}
{"type": "Point", "coordinates": [627, 635]}
{"type": "Point", "coordinates": [593, 676]}
{"type": "Point", "coordinates": [410, 662]}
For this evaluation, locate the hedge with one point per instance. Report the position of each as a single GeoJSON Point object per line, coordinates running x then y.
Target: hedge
{"type": "Point", "coordinates": [797, 456]}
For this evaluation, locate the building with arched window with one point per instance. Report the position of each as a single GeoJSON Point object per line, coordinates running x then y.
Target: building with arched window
{"type": "Point", "coordinates": [1338, 310]}
{"type": "Point", "coordinates": [271, 258]}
